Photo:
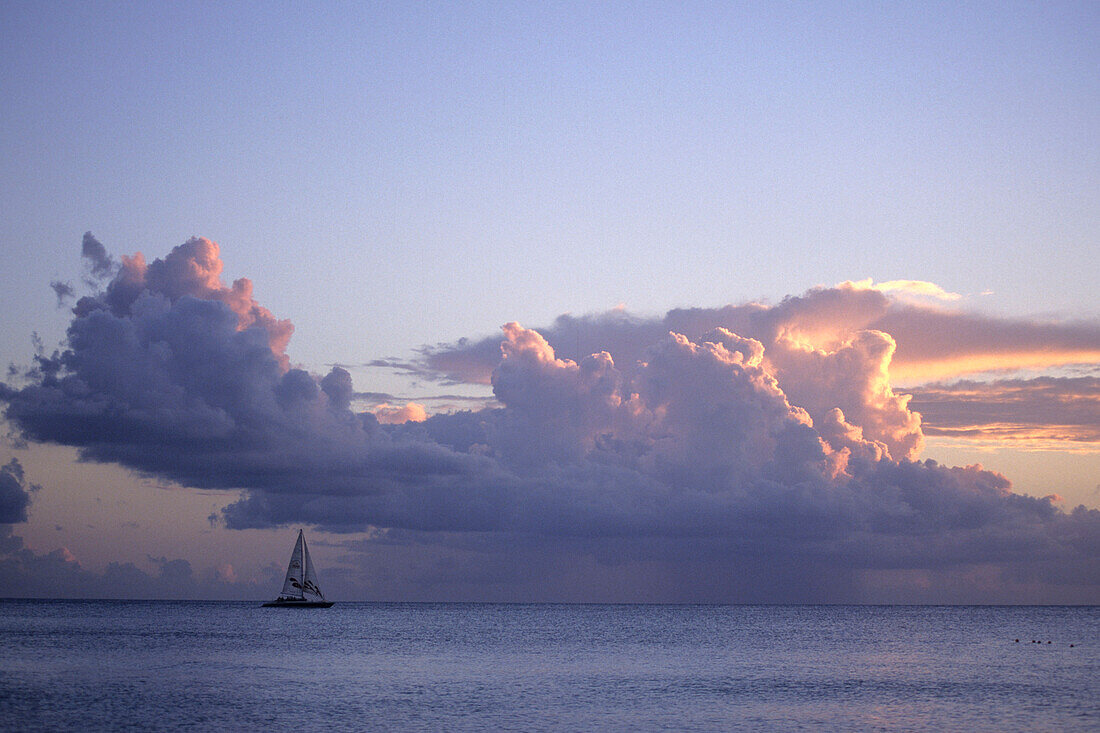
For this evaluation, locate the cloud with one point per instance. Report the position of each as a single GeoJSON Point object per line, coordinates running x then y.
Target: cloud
{"type": "Point", "coordinates": [25, 573]}
{"type": "Point", "coordinates": [388, 414]}
{"type": "Point", "coordinates": [905, 288]}
{"type": "Point", "coordinates": [95, 254]}
{"type": "Point", "coordinates": [763, 436]}
{"type": "Point", "coordinates": [931, 342]}
{"type": "Point", "coordinates": [1038, 411]}
{"type": "Point", "coordinates": [15, 494]}
{"type": "Point", "coordinates": [64, 291]}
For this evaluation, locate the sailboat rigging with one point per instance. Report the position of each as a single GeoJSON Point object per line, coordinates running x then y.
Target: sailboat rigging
{"type": "Point", "coordinates": [300, 589]}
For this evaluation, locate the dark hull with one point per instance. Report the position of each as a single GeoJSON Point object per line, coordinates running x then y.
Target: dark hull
{"type": "Point", "coordinates": [298, 604]}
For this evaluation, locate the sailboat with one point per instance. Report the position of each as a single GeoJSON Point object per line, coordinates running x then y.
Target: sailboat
{"type": "Point", "coordinates": [300, 588]}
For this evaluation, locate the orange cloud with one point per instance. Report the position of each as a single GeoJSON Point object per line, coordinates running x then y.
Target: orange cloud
{"type": "Point", "coordinates": [194, 269]}
{"type": "Point", "coordinates": [394, 415]}
{"type": "Point", "coordinates": [933, 341]}
{"type": "Point", "coordinates": [912, 369]}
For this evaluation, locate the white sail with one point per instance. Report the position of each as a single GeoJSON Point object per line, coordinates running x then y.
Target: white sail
{"type": "Point", "coordinates": [292, 586]}
{"type": "Point", "coordinates": [311, 591]}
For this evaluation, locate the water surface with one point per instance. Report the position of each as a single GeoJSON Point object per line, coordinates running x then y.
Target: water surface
{"type": "Point", "coordinates": [105, 665]}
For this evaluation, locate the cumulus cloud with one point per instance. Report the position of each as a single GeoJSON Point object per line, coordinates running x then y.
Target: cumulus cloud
{"type": "Point", "coordinates": [931, 342]}
{"type": "Point", "coordinates": [766, 436]}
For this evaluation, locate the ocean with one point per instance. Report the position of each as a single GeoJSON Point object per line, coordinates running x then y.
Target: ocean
{"type": "Point", "coordinates": [163, 665]}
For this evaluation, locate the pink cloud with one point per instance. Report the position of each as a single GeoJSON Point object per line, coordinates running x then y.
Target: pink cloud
{"type": "Point", "coordinates": [931, 342]}
{"type": "Point", "coordinates": [192, 269]}
{"type": "Point", "coordinates": [395, 415]}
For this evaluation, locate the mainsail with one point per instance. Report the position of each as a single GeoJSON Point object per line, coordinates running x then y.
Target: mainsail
{"type": "Point", "coordinates": [301, 578]}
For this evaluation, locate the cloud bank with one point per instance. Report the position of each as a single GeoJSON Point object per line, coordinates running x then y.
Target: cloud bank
{"type": "Point", "coordinates": [1032, 412]}
{"type": "Point", "coordinates": [767, 438]}
{"type": "Point", "coordinates": [59, 574]}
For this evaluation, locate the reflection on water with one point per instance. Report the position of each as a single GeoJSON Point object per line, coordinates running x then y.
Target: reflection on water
{"type": "Point", "coordinates": [207, 666]}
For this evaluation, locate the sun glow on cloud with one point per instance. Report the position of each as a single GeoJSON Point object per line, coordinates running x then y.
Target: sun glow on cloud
{"type": "Point", "coordinates": [825, 324]}
{"type": "Point", "coordinates": [396, 414]}
{"type": "Point", "coordinates": [904, 288]}
{"type": "Point", "coordinates": [914, 371]}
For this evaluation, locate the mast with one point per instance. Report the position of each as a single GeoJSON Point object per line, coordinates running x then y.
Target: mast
{"type": "Point", "coordinates": [302, 575]}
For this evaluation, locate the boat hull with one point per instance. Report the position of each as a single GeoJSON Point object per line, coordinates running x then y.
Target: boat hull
{"type": "Point", "coordinates": [298, 604]}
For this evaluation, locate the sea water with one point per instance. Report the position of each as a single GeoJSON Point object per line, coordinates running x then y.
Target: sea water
{"type": "Point", "coordinates": [114, 665]}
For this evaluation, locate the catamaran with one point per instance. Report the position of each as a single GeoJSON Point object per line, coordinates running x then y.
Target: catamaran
{"type": "Point", "coordinates": [300, 587]}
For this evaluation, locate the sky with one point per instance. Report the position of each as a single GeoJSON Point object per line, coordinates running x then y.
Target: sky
{"type": "Point", "coordinates": [666, 302]}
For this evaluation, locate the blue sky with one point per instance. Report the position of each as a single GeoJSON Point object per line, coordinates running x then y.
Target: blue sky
{"type": "Point", "coordinates": [394, 175]}
{"type": "Point", "coordinates": [565, 158]}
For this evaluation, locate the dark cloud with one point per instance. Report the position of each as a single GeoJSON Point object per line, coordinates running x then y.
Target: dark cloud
{"type": "Point", "coordinates": [1043, 408]}
{"type": "Point", "coordinates": [99, 262]}
{"type": "Point", "coordinates": [64, 291]}
{"type": "Point", "coordinates": [434, 402]}
{"type": "Point", "coordinates": [408, 368]}
{"type": "Point", "coordinates": [15, 494]}
{"type": "Point", "coordinates": [754, 436]}
{"type": "Point", "coordinates": [373, 398]}
{"type": "Point", "coordinates": [338, 388]}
